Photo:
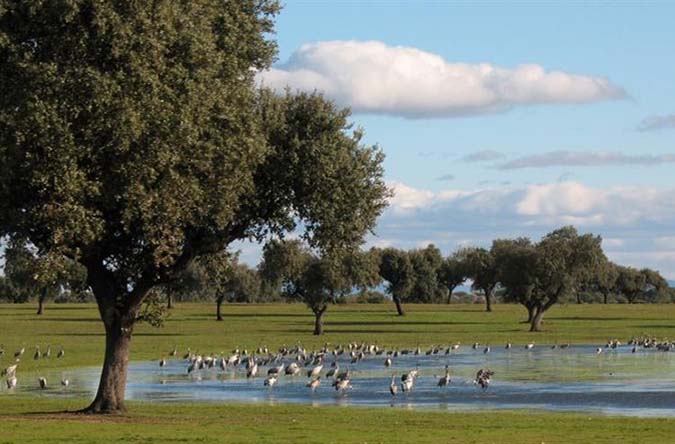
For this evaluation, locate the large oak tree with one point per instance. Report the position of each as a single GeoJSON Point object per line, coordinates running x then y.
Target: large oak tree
{"type": "Point", "coordinates": [132, 140]}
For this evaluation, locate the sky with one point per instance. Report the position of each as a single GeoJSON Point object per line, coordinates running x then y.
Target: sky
{"type": "Point", "coordinates": [502, 119]}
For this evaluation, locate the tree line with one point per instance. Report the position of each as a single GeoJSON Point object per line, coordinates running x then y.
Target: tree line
{"type": "Point", "coordinates": [562, 267]}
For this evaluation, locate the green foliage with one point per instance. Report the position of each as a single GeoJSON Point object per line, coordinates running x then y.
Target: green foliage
{"type": "Point", "coordinates": [316, 280]}
{"type": "Point", "coordinates": [427, 287]}
{"type": "Point", "coordinates": [148, 145]}
{"type": "Point", "coordinates": [153, 311]}
{"type": "Point", "coordinates": [397, 269]}
{"type": "Point", "coordinates": [452, 273]}
{"type": "Point", "coordinates": [30, 274]}
{"type": "Point", "coordinates": [641, 285]}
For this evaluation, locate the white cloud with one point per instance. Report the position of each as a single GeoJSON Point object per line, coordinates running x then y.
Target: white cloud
{"type": "Point", "coordinates": [635, 222]}
{"type": "Point", "coordinates": [373, 77]}
{"type": "Point", "coordinates": [407, 199]}
{"type": "Point", "coordinates": [560, 199]}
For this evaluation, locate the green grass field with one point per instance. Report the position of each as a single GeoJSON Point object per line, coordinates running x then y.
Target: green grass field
{"type": "Point", "coordinates": [37, 419]}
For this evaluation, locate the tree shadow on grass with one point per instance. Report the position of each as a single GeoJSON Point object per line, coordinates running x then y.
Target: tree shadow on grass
{"type": "Point", "coordinates": [102, 334]}
{"type": "Point", "coordinates": [597, 318]}
{"type": "Point", "coordinates": [394, 323]}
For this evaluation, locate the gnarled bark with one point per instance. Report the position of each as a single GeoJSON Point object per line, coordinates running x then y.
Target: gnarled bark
{"type": "Point", "coordinates": [535, 325]}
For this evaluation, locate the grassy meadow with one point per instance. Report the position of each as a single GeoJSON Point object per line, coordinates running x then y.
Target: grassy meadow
{"type": "Point", "coordinates": [28, 419]}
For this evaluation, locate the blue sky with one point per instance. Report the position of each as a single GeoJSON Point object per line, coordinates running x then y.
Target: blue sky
{"type": "Point", "coordinates": [583, 134]}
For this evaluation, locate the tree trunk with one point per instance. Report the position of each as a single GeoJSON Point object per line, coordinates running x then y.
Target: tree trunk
{"type": "Point", "coordinates": [110, 395]}
{"type": "Point", "coordinates": [605, 297]}
{"type": "Point", "coordinates": [578, 298]}
{"type": "Point", "coordinates": [219, 303]}
{"type": "Point", "coordinates": [169, 302]}
{"type": "Point", "coordinates": [41, 306]}
{"type": "Point", "coordinates": [399, 307]}
{"type": "Point", "coordinates": [488, 299]}
{"type": "Point", "coordinates": [536, 320]}
{"type": "Point", "coordinates": [450, 290]}
{"type": "Point", "coordinates": [530, 313]}
{"type": "Point", "coordinates": [318, 321]}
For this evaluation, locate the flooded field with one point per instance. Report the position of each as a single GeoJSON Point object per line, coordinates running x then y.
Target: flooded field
{"type": "Point", "coordinates": [574, 379]}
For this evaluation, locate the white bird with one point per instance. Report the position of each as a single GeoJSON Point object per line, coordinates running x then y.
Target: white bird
{"type": "Point", "coordinates": [314, 383]}
{"type": "Point", "coordinates": [408, 380]}
{"type": "Point", "coordinates": [252, 370]}
{"type": "Point", "coordinates": [65, 382]}
{"type": "Point", "coordinates": [486, 350]}
{"type": "Point", "coordinates": [11, 382]}
{"type": "Point", "coordinates": [455, 347]}
{"type": "Point", "coordinates": [20, 352]}
{"type": "Point", "coordinates": [43, 383]}
{"type": "Point", "coordinates": [162, 362]}
{"type": "Point", "coordinates": [529, 346]}
{"type": "Point", "coordinates": [407, 384]}
{"type": "Point", "coordinates": [598, 350]}
{"type": "Point", "coordinates": [37, 355]}
{"type": "Point", "coordinates": [393, 388]}
{"type": "Point", "coordinates": [292, 369]}
{"type": "Point", "coordinates": [508, 346]}
{"type": "Point", "coordinates": [316, 371]}
{"type": "Point", "coordinates": [387, 362]}
{"type": "Point", "coordinates": [48, 353]}
{"type": "Point", "coordinates": [61, 353]}
{"type": "Point", "coordinates": [9, 371]}
{"type": "Point", "coordinates": [173, 352]}
{"type": "Point", "coordinates": [341, 385]}
{"type": "Point", "coordinates": [270, 381]}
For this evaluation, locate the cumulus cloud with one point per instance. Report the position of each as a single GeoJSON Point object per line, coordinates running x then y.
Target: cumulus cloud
{"type": "Point", "coordinates": [483, 156]}
{"type": "Point", "coordinates": [585, 158]}
{"type": "Point", "coordinates": [635, 222]}
{"type": "Point", "coordinates": [372, 77]}
{"type": "Point", "coordinates": [657, 122]}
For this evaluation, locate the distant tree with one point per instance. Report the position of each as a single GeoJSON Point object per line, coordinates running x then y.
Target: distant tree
{"type": "Point", "coordinates": [314, 280]}
{"type": "Point", "coordinates": [134, 140]}
{"type": "Point", "coordinates": [516, 261]}
{"type": "Point", "coordinates": [44, 277]}
{"type": "Point", "coordinates": [566, 261]}
{"type": "Point", "coordinates": [396, 268]}
{"type": "Point", "coordinates": [482, 270]}
{"type": "Point", "coordinates": [605, 280]}
{"type": "Point", "coordinates": [452, 273]}
{"type": "Point", "coordinates": [635, 284]}
{"type": "Point", "coordinates": [426, 263]}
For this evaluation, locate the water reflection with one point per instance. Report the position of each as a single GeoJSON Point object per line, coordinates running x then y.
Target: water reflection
{"type": "Point", "coordinates": [574, 379]}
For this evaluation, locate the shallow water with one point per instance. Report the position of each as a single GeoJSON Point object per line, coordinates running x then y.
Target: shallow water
{"type": "Point", "coordinates": [574, 379]}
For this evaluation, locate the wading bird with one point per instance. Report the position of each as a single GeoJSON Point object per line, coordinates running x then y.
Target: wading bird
{"type": "Point", "coordinates": [393, 388]}
{"type": "Point", "coordinates": [11, 382]}
{"type": "Point", "coordinates": [444, 380]}
{"type": "Point", "coordinates": [314, 383]}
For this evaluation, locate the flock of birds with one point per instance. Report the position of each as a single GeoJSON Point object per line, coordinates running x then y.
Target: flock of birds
{"type": "Point", "coordinates": [298, 360]}
{"type": "Point", "coordinates": [10, 372]}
